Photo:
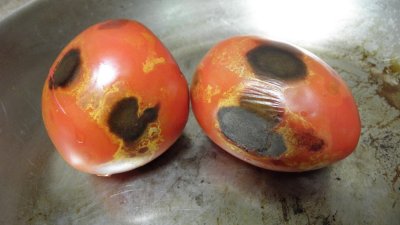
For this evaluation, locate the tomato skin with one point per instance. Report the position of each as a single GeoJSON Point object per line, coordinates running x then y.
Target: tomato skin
{"type": "Point", "coordinates": [114, 98]}
{"type": "Point", "coordinates": [274, 105]}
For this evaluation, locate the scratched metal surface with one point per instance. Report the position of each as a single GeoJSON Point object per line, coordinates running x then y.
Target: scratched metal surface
{"type": "Point", "coordinates": [196, 182]}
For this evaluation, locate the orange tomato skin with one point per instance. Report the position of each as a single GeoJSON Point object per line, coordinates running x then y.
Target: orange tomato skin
{"type": "Point", "coordinates": [114, 99]}
{"type": "Point", "coordinates": [311, 117]}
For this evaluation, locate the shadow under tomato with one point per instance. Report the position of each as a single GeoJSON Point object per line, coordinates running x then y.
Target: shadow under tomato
{"type": "Point", "coordinates": [197, 174]}
{"type": "Point", "coordinates": [183, 143]}
{"type": "Point", "coordinates": [299, 197]}
{"type": "Point", "coordinates": [135, 192]}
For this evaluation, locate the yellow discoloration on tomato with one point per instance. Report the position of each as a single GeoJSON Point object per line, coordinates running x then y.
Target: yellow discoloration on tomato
{"type": "Point", "coordinates": [151, 63]}
{"type": "Point", "coordinates": [234, 62]}
{"type": "Point", "coordinates": [102, 104]}
{"type": "Point", "coordinates": [210, 92]}
{"type": "Point", "coordinates": [231, 97]}
{"type": "Point", "coordinates": [147, 145]}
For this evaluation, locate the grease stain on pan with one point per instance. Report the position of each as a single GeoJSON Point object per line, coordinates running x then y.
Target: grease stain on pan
{"type": "Point", "coordinates": [386, 73]}
{"type": "Point", "coordinates": [378, 96]}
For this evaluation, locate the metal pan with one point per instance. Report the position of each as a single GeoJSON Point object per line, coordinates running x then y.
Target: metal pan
{"type": "Point", "coordinates": [196, 182]}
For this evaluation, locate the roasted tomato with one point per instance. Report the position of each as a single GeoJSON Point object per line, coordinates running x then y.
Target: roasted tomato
{"type": "Point", "coordinates": [114, 98]}
{"type": "Point", "coordinates": [274, 105]}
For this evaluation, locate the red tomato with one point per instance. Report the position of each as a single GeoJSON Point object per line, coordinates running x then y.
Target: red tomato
{"type": "Point", "coordinates": [114, 98]}
{"type": "Point", "coordinates": [274, 105]}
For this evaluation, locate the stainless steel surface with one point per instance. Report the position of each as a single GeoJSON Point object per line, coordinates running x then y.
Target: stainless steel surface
{"type": "Point", "coordinates": [7, 7]}
{"type": "Point", "coordinates": [196, 182]}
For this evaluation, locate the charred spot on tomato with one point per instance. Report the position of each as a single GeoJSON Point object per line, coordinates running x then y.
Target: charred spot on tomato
{"type": "Point", "coordinates": [150, 114]}
{"type": "Point", "coordinates": [309, 141]}
{"type": "Point", "coordinates": [277, 162]}
{"type": "Point", "coordinates": [317, 146]}
{"type": "Point", "coordinates": [143, 150]}
{"type": "Point", "coordinates": [250, 131]}
{"type": "Point", "coordinates": [66, 70]}
{"type": "Point", "coordinates": [112, 24]}
{"type": "Point", "coordinates": [276, 62]}
{"type": "Point", "coordinates": [124, 121]}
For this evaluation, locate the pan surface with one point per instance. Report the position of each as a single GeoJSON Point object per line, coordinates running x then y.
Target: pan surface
{"type": "Point", "coordinates": [196, 182]}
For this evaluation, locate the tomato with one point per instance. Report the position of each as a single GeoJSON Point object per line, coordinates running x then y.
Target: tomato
{"type": "Point", "coordinates": [114, 98]}
{"type": "Point", "coordinates": [274, 105]}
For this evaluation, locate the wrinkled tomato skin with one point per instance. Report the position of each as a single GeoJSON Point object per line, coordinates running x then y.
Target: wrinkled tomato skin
{"type": "Point", "coordinates": [114, 98]}
{"type": "Point", "coordinates": [312, 115]}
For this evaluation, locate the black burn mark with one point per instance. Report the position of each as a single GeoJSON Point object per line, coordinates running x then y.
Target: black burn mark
{"type": "Point", "coordinates": [66, 70]}
{"type": "Point", "coordinates": [112, 24]}
{"type": "Point", "coordinates": [124, 121]}
{"type": "Point", "coordinates": [250, 131]}
{"type": "Point", "coordinates": [276, 62]}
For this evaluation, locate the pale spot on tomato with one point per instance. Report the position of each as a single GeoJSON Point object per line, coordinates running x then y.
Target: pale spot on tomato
{"type": "Point", "coordinates": [210, 92]}
{"type": "Point", "coordinates": [151, 63]}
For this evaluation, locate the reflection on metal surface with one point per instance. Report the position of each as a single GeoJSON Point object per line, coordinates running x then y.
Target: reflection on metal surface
{"type": "Point", "coordinates": [195, 182]}
{"type": "Point", "coordinates": [305, 21]}
{"type": "Point", "coordinates": [8, 7]}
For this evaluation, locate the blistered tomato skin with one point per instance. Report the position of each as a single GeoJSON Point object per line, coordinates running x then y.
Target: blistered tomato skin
{"type": "Point", "coordinates": [274, 105]}
{"type": "Point", "coordinates": [114, 98]}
